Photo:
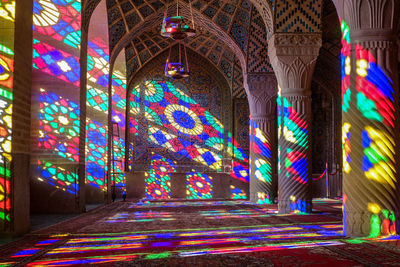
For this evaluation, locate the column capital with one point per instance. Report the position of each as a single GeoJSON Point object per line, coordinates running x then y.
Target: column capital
{"type": "Point", "coordinates": [262, 90]}
{"type": "Point", "coordinates": [372, 18]}
{"type": "Point", "coordinates": [293, 57]}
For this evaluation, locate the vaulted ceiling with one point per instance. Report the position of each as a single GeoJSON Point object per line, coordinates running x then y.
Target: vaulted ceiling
{"type": "Point", "coordinates": [222, 34]}
{"type": "Point", "coordinates": [231, 34]}
{"type": "Point", "coordinates": [229, 20]}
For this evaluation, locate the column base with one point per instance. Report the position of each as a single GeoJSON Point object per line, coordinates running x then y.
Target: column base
{"type": "Point", "coordinates": [262, 198]}
{"type": "Point", "coordinates": [368, 224]}
{"type": "Point", "coordinates": [298, 206]}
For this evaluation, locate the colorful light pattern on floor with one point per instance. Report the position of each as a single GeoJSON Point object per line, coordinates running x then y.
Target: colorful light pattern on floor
{"type": "Point", "coordinates": [107, 248]}
{"type": "Point", "coordinates": [215, 214]}
{"type": "Point", "coordinates": [114, 248]}
{"type": "Point", "coordinates": [169, 204]}
{"type": "Point", "coordinates": [7, 18]}
{"type": "Point", "coordinates": [120, 247]}
{"type": "Point", "coordinates": [198, 186]}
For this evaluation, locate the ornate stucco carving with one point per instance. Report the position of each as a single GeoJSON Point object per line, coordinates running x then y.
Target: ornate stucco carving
{"type": "Point", "coordinates": [293, 57]}
{"type": "Point", "coordinates": [376, 16]}
{"type": "Point", "coordinates": [262, 95]}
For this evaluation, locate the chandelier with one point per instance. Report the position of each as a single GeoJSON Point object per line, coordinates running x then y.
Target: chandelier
{"type": "Point", "coordinates": [175, 27]}
{"type": "Point", "coordinates": [177, 70]}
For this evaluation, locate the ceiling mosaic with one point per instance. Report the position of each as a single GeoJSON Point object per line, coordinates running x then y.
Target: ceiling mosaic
{"type": "Point", "coordinates": [232, 34]}
{"type": "Point", "coordinates": [229, 20]}
{"type": "Point", "coordinates": [150, 44]}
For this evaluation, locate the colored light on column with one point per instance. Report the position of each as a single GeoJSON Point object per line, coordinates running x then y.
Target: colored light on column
{"type": "Point", "coordinates": [378, 156]}
{"type": "Point", "coordinates": [375, 89]}
{"type": "Point", "coordinates": [346, 147]}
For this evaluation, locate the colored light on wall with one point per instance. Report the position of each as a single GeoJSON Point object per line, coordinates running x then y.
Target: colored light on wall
{"type": "Point", "coordinates": [158, 179]}
{"type": "Point", "coordinates": [119, 161]}
{"type": "Point", "coordinates": [96, 153]}
{"type": "Point", "coordinates": [59, 20]}
{"type": "Point", "coordinates": [59, 125]}
{"type": "Point", "coordinates": [5, 129]}
{"type": "Point", "coordinates": [198, 186]}
{"type": "Point", "coordinates": [185, 148]}
{"type": "Point", "coordinates": [5, 200]}
{"type": "Point", "coordinates": [56, 62]}
{"type": "Point", "coordinates": [6, 71]}
{"type": "Point", "coordinates": [240, 171]}
{"type": "Point", "coordinates": [119, 90]}
{"type": "Point", "coordinates": [7, 18]}
{"type": "Point", "coordinates": [279, 123]}
{"type": "Point", "coordinates": [98, 63]}
{"type": "Point", "coordinates": [235, 150]}
{"type": "Point", "coordinates": [178, 123]}
{"type": "Point", "coordinates": [237, 193]}
{"type": "Point", "coordinates": [7, 10]}
{"type": "Point", "coordinates": [58, 177]}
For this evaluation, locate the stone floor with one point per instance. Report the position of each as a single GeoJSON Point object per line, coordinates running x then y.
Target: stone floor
{"type": "Point", "coordinates": [200, 233]}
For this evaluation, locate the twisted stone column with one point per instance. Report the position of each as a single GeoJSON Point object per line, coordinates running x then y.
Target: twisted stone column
{"type": "Point", "coordinates": [293, 57]}
{"type": "Point", "coordinates": [370, 118]}
{"type": "Point", "coordinates": [262, 102]}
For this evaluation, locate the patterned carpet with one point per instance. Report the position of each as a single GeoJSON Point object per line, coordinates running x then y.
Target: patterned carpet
{"type": "Point", "coordinates": [200, 233]}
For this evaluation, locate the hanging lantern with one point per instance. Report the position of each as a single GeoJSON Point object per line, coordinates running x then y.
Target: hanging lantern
{"type": "Point", "coordinates": [175, 27]}
{"type": "Point", "coordinates": [177, 70]}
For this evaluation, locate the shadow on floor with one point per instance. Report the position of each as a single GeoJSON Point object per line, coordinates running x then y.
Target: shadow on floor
{"type": "Point", "coordinates": [41, 221]}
